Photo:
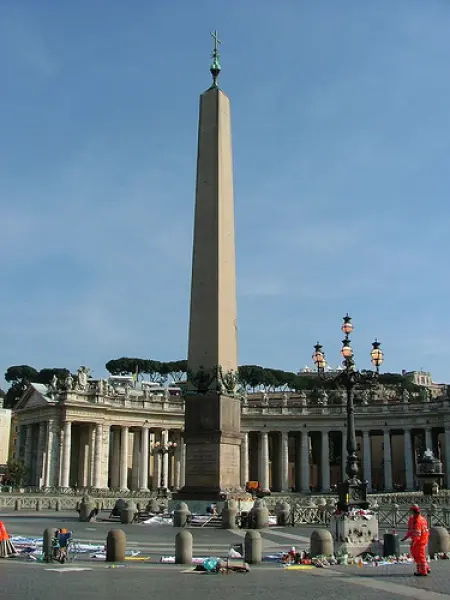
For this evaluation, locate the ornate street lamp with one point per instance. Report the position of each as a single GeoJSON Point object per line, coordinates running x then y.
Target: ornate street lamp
{"type": "Point", "coordinates": [162, 449]}
{"type": "Point", "coordinates": [352, 491]}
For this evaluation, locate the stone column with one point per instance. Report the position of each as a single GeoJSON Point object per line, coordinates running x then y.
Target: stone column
{"type": "Point", "coordinates": [176, 481]}
{"type": "Point", "coordinates": [264, 460]}
{"type": "Point", "coordinates": [367, 458]}
{"type": "Point", "coordinates": [104, 480]}
{"type": "Point", "coordinates": [98, 456]}
{"type": "Point", "coordinates": [153, 461]}
{"type": "Point", "coordinates": [124, 459]}
{"type": "Point", "coordinates": [284, 461]}
{"type": "Point", "coordinates": [60, 454]}
{"type": "Point", "coordinates": [143, 468]}
{"type": "Point", "coordinates": [91, 435]}
{"type": "Point", "coordinates": [67, 447]}
{"type": "Point", "coordinates": [50, 458]}
{"type": "Point", "coordinates": [28, 458]}
{"type": "Point", "coordinates": [428, 439]}
{"type": "Point", "coordinates": [84, 459]}
{"type": "Point", "coordinates": [115, 459]}
{"type": "Point", "coordinates": [182, 464]}
{"type": "Point", "coordinates": [304, 450]}
{"type": "Point", "coordinates": [157, 461]}
{"type": "Point", "coordinates": [325, 462]}
{"type": "Point", "coordinates": [165, 459]}
{"type": "Point", "coordinates": [41, 453]}
{"type": "Point", "coordinates": [244, 460]}
{"type": "Point", "coordinates": [136, 460]}
{"type": "Point", "coordinates": [447, 455]}
{"type": "Point", "coordinates": [408, 452]}
{"type": "Point", "coordinates": [387, 460]}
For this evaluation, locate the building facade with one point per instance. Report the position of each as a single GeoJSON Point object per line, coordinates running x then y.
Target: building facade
{"type": "Point", "coordinates": [94, 434]}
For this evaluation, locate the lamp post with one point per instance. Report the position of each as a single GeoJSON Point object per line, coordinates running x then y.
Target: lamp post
{"type": "Point", "coordinates": [162, 449]}
{"type": "Point", "coordinates": [352, 491]}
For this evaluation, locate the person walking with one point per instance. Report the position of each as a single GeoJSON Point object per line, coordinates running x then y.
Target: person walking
{"type": "Point", "coordinates": [418, 534]}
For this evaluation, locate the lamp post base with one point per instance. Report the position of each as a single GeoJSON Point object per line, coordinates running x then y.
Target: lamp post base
{"type": "Point", "coordinates": [355, 535]}
{"type": "Point", "coordinates": [352, 495]}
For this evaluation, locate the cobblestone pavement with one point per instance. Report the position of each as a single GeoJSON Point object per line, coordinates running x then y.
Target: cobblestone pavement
{"type": "Point", "coordinates": [397, 578]}
{"type": "Point", "coordinates": [33, 581]}
{"type": "Point", "coordinates": [157, 538]}
{"type": "Point", "coordinates": [37, 581]}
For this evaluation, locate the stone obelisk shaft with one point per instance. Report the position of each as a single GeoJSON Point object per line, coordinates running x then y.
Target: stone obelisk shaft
{"type": "Point", "coordinates": [213, 327]}
{"type": "Point", "coordinates": [212, 418]}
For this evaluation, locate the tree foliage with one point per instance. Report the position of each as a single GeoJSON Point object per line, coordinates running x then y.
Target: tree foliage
{"type": "Point", "coordinates": [20, 377]}
{"type": "Point", "coordinates": [16, 471]}
{"type": "Point", "coordinates": [252, 377]}
{"type": "Point", "coordinates": [156, 370]}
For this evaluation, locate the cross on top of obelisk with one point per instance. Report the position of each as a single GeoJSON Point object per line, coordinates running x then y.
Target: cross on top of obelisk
{"type": "Point", "coordinates": [215, 65]}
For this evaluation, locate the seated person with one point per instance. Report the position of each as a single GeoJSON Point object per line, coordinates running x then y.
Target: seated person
{"type": "Point", "coordinates": [63, 537]}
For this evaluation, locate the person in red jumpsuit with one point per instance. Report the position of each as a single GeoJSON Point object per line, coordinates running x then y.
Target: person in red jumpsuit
{"type": "Point", "coordinates": [418, 534]}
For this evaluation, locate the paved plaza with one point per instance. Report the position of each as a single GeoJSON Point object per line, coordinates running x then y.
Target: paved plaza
{"type": "Point", "coordinates": [49, 582]}
{"type": "Point", "coordinates": [29, 579]}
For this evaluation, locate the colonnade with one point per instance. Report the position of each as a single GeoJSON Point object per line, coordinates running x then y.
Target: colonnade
{"type": "Point", "coordinates": [309, 460]}
{"type": "Point", "coordinates": [101, 456]}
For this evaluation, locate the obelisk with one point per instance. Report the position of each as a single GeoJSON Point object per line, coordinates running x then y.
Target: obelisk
{"type": "Point", "coordinates": [212, 413]}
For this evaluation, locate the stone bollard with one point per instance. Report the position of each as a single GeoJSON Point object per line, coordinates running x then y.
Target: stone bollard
{"type": "Point", "coordinates": [260, 514]}
{"type": "Point", "coordinates": [439, 541]}
{"type": "Point", "coordinates": [253, 547]}
{"type": "Point", "coordinates": [229, 515]}
{"type": "Point", "coordinates": [283, 513]}
{"type": "Point", "coordinates": [87, 510]}
{"type": "Point", "coordinates": [57, 505]}
{"type": "Point", "coordinates": [322, 543]}
{"type": "Point", "coordinates": [116, 542]}
{"type": "Point", "coordinates": [118, 507]}
{"type": "Point", "coordinates": [38, 505]}
{"type": "Point", "coordinates": [153, 506]}
{"type": "Point", "coordinates": [183, 548]}
{"type": "Point", "coordinates": [18, 504]}
{"type": "Point", "coordinates": [181, 515]}
{"type": "Point", "coordinates": [47, 544]}
{"type": "Point", "coordinates": [128, 513]}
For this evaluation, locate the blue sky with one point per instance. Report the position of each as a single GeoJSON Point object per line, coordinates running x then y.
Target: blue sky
{"type": "Point", "coordinates": [341, 136]}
